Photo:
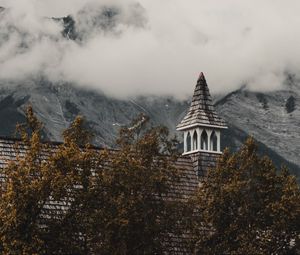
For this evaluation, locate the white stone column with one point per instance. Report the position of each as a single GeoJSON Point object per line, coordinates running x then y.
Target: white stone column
{"type": "Point", "coordinates": [192, 140]}
{"type": "Point", "coordinates": [199, 138]}
{"type": "Point", "coordinates": [209, 131]}
{"type": "Point", "coordinates": [195, 144]}
{"type": "Point", "coordinates": [184, 141]}
{"type": "Point", "coordinates": [218, 133]}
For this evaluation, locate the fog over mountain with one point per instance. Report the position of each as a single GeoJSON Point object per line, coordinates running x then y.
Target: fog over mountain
{"type": "Point", "coordinates": [126, 48]}
{"type": "Point", "coordinates": [109, 60]}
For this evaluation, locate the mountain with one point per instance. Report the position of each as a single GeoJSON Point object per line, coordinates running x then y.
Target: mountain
{"type": "Point", "coordinates": [273, 118]}
{"type": "Point", "coordinates": [56, 105]}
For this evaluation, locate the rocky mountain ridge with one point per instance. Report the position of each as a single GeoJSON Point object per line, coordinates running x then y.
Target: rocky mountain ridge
{"type": "Point", "coordinates": [273, 118]}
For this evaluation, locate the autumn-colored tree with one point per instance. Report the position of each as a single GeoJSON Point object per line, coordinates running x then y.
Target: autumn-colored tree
{"type": "Point", "coordinates": [138, 213]}
{"type": "Point", "coordinates": [23, 193]}
{"type": "Point", "coordinates": [41, 188]}
{"type": "Point", "coordinates": [75, 187]}
{"type": "Point", "coordinates": [72, 198]}
{"type": "Point", "coordinates": [246, 206]}
{"type": "Point", "coordinates": [123, 205]}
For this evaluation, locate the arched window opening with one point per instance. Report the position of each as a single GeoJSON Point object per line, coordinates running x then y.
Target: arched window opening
{"type": "Point", "coordinates": [213, 141]}
{"type": "Point", "coordinates": [188, 142]}
{"type": "Point", "coordinates": [195, 141]}
{"type": "Point", "coordinates": [204, 141]}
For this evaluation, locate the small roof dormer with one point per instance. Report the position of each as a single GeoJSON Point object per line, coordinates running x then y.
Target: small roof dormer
{"type": "Point", "coordinates": [202, 126]}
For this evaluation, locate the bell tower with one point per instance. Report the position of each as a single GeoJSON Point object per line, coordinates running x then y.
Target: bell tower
{"type": "Point", "coordinates": [202, 126]}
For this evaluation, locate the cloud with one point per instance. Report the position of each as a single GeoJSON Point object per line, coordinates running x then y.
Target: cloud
{"type": "Point", "coordinates": [132, 47]}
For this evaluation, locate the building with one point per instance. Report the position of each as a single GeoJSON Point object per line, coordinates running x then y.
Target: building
{"type": "Point", "coordinates": [201, 127]}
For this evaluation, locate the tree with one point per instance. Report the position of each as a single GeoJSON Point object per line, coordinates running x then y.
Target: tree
{"type": "Point", "coordinates": [73, 198]}
{"type": "Point", "coordinates": [23, 193]}
{"type": "Point", "coordinates": [76, 187]}
{"type": "Point", "coordinates": [139, 213]}
{"type": "Point", "coordinates": [42, 186]}
{"type": "Point", "coordinates": [124, 205]}
{"type": "Point", "coordinates": [246, 206]}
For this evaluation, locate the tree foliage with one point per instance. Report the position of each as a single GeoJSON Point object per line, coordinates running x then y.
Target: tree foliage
{"type": "Point", "coordinates": [23, 194]}
{"type": "Point", "coordinates": [73, 198]}
{"type": "Point", "coordinates": [246, 206]}
{"type": "Point", "coordinates": [41, 187]}
{"type": "Point", "coordinates": [139, 182]}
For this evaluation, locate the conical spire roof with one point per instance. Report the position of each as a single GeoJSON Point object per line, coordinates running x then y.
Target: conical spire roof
{"type": "Point", "coordinates": [202, 111]}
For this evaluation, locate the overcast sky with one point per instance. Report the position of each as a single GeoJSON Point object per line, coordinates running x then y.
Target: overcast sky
{"type": "Point", "coordinates": [153, 46]}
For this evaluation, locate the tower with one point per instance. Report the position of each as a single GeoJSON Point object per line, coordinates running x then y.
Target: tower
{"type": "Point", "coordinates": [202, 128]}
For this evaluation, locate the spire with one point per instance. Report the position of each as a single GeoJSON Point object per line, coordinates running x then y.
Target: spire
{"type": "Point", "coordinates": [201, 111]}
{"type": "Point", "coordinates": [201, 77]}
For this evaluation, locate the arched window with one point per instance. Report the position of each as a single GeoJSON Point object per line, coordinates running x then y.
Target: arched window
{"type": "Point", "coordinates": [213, 141]}
{"type": "Point", "coordinates": [188, 142]}
{"type": "Point", "coordinates": [204, 141]}
{"type": "Point", "coordinates": [195, 140]}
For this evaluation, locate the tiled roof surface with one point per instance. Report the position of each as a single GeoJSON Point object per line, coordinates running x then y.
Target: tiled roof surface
{"type": "Point", "coordinates": [201, 111]}
{"type": "Point", "coordinates": [188, 176]}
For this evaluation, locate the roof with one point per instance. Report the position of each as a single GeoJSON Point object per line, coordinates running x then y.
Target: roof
{"type": "Point", "coordinates": [184, 165]}
{"type": "Point", "coordinates": [190, 168]}
{"type": "Point", "coordinates": [201, 111]}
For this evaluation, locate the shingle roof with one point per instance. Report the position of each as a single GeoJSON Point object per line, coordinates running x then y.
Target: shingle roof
{"type": "Point", "coordinates": [190, 168]}
{"type": "Point", "coordinates": [202, 111]}
{"type": "Point", "coordinates": [188, 175]}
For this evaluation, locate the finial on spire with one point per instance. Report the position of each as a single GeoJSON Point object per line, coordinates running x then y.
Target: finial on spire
{"type": "Point", "coordinates": [201, 76]}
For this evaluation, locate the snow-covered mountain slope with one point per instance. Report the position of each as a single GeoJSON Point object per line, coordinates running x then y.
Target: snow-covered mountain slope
{"type": "Point", "coordinates": [57, 105]}
{"type": "Point", "coordinates": [273, 118]}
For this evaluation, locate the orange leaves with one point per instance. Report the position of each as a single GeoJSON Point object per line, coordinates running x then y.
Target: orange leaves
{"type": "Point", "coordinates": [245, 199]}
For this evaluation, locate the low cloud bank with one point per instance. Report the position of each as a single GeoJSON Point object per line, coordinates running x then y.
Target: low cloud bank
{"type": "Point", "coordinates": [127, 48]}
